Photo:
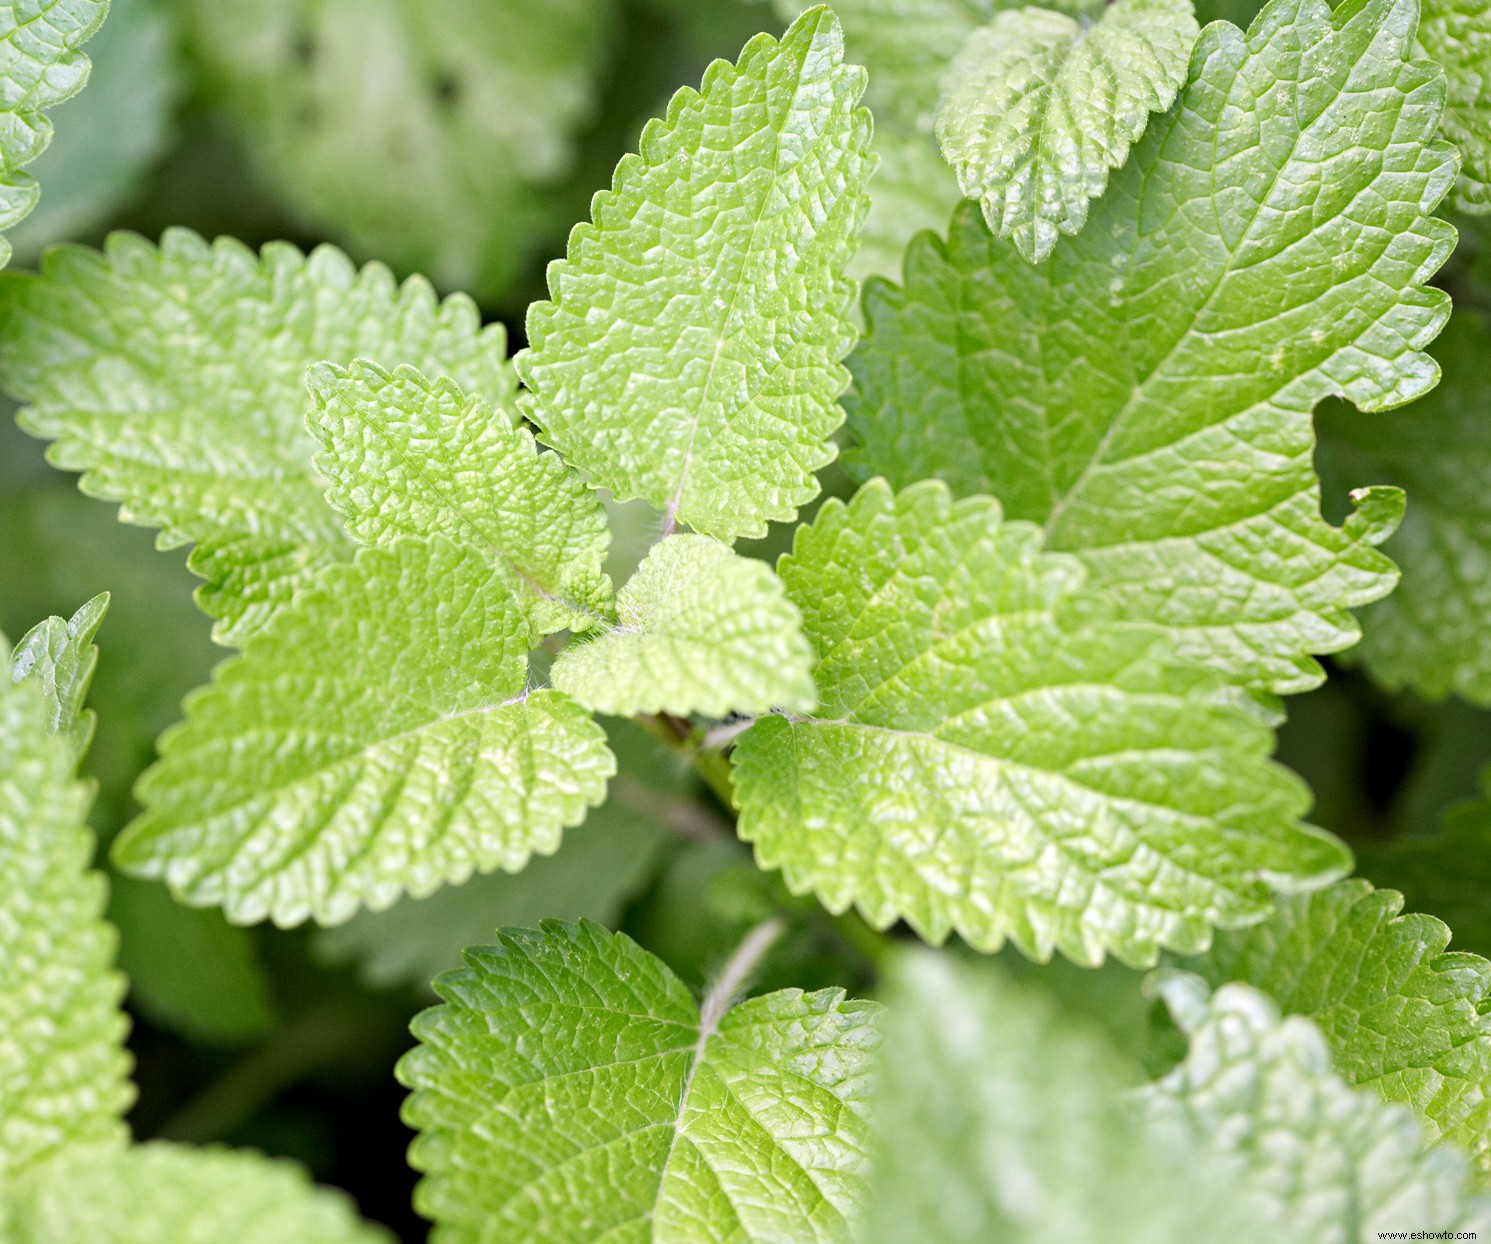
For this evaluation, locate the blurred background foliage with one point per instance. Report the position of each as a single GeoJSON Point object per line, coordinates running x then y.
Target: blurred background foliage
{"type": "Point", "coordinates": [462, 139]}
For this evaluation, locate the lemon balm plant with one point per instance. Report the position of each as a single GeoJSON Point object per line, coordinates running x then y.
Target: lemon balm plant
{"type": "Point", "coordinates": [1017, 686]}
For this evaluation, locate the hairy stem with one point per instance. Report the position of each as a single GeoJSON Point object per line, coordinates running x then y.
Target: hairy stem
{"type": "Point", "coordinates": [736, 972]}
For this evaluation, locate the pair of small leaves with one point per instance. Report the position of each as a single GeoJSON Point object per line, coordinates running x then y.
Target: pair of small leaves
{"type": "Point", "coordinates": [1145, 393]}
{"type": "Point", "coordinates": [1037, 109]}
{"type": "Point", "coordinates": [999, 1121]}
{"type": "Point", "coordinates": [315, 776]}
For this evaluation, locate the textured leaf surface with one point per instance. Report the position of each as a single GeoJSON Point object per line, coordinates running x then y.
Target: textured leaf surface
{"type": "Point", "coordinates": [407, 456]}
{"type": "Point", "coordinates": [1145, 393]}
{"type": "Point", "coordinates": [1333, 1164]}
{"type": "Point", "coordinates": [1431, 635]}
{"type": "Point", "coordinates": [112, 133]}
{"type": "Point", "coordinates": [59, 658]}
{"type": "Point", "coordinates": [1457, 35]}
{"type": "Point", "coordinates": [169, 1194]}
{"type": "Point", "coordinates": [173, 378]}
{"type": "Point", "coordinates": [39, 66]}
{"type": "Point", "coordinates": [571, 1090]}
{"type": "Point", "coordinates": [996, 1120]}
{"type": "Point", "coordinates": [431, 134]}
{"type": "Point", "coordinates": [906, 45]}
{"type": "Point", "coordinates": [63, 1069]}
{"type": "Point", "coordinates": [1037, 109]}
{"type": "Point", "coordinates": [700, 630]}
{"type": "Point", "coordinates": [1401, 1015]}
{"type": "Point", "coordinates": [599, 867]}
{"type": "Point", "coordinates": [691, 353]}
{"type": "Point", "coordinates": [993, 756]}
{"type": "Point", "coordinates": [377, 738]}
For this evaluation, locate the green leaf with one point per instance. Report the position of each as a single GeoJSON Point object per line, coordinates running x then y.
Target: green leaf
{"type": "Point", "coordinates": [169, 1194]}
{"type": "Point", "coordinates": [906, 45]}
{"type": "Point", "coordinates": [63, 1069]}
{"type": "Point", "coordinates": [1457, 35]}
{"type": "Point", "coordinates": [39, 66]}
{"type": "Point", "coordinates": [599, 868]}
{"type": "Point", "coordinates": [405, 456]}
{"type": "Point", "coordinates": [691, 353]}
{"type": "Point", "coordinates": [1401, 1015]}
{"type": "Point", "coordinates": [432, 134]}
{"type": "Point", "coordinates": [1038, 107]}
{"type": "Point", "coordinates": [173, 378]}
{"type": "Point", "coordinates": [700, 630]}
{"type": "Point", "coordinates": [59, 657]}
{"type": "Point", "coordinates": [1430, 635]}
{"type": "Point", "coordinates": [378, 737]}
{"type": "Point", "coordinates": [113, 132]}
{"type": "Point", "coordinates": [1145, 393]}
{"type": "Point", "coordinates": [997, 1120]}
{"type": "Point", "coordinates": [570, 1089]}
{"type": "Point", "coordinates": [994, 756]}
{"type": "Point", "coordinates": [1333, 1164]}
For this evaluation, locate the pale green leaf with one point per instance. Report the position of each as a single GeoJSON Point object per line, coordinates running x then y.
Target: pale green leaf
{"type": "Point", "coordinates": [59, 657]}
{"type": "Point", "coordinates": [995, 756]}
{"type": "Point", "coordinates": [691, 355]}
{"type": "Point", "coordinates": [377, 738]}
{"type": "Point", "coordinates": [406, 456]}
{"type": "Point", "coordinates": [1334, 1165]}
{"type": "Point", "coordinates": [1431, 634]}
{"type": "Point", "coordinates": [1145, 393]}
{"type": "Point", "coordinates": [431, 134]}
{"type": "Point", "coordinates": [571, 1091]}
{"type": "Point", "coordinates": [906, 45]}
{"type": "Point", "coordinates": [173, 378]}
{"type": "Point", "coordinates": [1038, 107]}
{"type": "Point", "coordinates": [700, 630]}
{"type": "Point", "coordinates": [599, 867]}
{"type": "Point", "coordinates": [999, 1119]}
{"type": "Point", "coordinates": [39, 66]}
{"type": "Point", "coordinates": [1401, 1015]}
{"type": "Point", "coordinates": [63, 1069]}
{"type": "Point", "coordinates": [1457, 35]}
{"type": "Point", "coordinates": [112, 133]}
{"type": "Point", "coordinates": [169, 1194]}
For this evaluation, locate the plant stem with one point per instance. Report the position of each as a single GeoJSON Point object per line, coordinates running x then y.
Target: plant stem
{"type": "Point", "coordinates": [736, 972]}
